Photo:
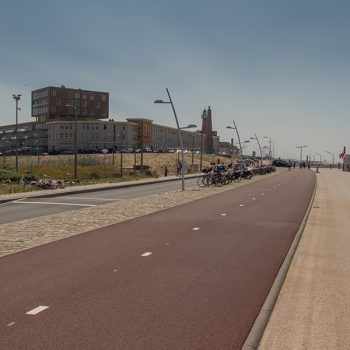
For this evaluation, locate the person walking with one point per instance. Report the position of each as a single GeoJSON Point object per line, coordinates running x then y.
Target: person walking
{"type": "Point", "coordinates": [178, 168]}
{"type": "Point", "coordinates": [165, 170]}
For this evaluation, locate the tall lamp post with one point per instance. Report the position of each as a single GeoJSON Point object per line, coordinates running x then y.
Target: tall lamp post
{"type": "Point", "coordinates": [201, 158]}
{"type": "Point", "coordinates": [257, 140]}
{"type": "Point", "coordinates": [269, 138]}
{"type": "Point", "coordinates": [234, 127]}
{"type": "Point", "coordinates": [180, 137]}
{"type": "Point", "coordinates": [301, 151]}
{"type": "Point", "coordinates": [332, 154]}
{"type": "Point", "coordinates": [75, 140]}
{"type": "Point", "coordinates": [16, 98]}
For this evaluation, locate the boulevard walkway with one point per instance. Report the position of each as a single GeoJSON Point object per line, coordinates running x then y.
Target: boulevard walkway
{"type": "Point", "coordinates": [313, 309]}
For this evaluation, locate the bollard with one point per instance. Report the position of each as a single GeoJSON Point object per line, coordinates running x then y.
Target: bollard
{"type": "Point", "coordinates": [317, 170]}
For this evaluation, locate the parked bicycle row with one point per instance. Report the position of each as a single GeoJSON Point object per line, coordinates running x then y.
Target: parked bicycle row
{"type": "Point", "coordinates": [220, 174]}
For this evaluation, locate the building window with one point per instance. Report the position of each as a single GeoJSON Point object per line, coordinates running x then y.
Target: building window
{"type": "Point", "coordinates": [77, 96]}
{"type": "Point", "coordinates": [58, 101]}
{"type": "Point", "coordinates": [103, 97]}
{"type": "Point", "coordinates": [92, 112]}
{"type": "Point", "coordinates": [92, 97]}
{"type": "Point", "coordinates": [85, 112]}
{"type": "Point", "coordinates": [84, 96]}
{"type": "Point", "coordinates": [84, 103]}
{"type": "Point", "coordinates": [98, 104]}
{"type": "Point", "coordinates": [53, 92]}
{"type": "Point", "coordinates": [70, 94]}
{"type": "Point", "coordinates": [53, 109]}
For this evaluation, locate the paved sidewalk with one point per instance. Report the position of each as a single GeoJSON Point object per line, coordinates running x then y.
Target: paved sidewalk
{"type": "Point", "coordinates": [313, 309]}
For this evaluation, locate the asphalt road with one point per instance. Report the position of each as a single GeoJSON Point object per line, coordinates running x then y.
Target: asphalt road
{"type": "Point", "coordinates": [189, 277]}
{"type": "Point", "coordinates": [34, 207]}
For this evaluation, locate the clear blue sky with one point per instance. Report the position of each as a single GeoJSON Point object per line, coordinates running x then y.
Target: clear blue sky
{"type": "Point", "coordinates": [279, 68]}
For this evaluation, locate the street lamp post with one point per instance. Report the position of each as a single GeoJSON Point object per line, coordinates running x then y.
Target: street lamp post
{"type": "Point", "coordinates": [301, 151]}
{"type": "Point", "coordinates": [201, 158]}
{"type": "Point", "coordinates": [332, 154]}
{"type": "Point", "coordinates": [113, 161]}
{"type": "Point", "coordinates": [180, 137]}
{"type": "Point", "coordinates": [121, 153]}
{"type": "Point", "coordinates": [16, 98]}
{"type": "Point", "coordinates": [257, 140]}
{"type": "Point", "coordinates": [269, 138]}
{"type": "Point", "coordinates": [239, 139]}
{"type": "Point", "coordinates": [75, 140]}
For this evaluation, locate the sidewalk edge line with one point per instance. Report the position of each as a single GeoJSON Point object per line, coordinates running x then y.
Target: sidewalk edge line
{"type": "Point", "coordinates": [257, 331]}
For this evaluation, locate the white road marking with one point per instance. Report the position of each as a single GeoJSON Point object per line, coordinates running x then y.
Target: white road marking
{"type": "Point", "coordinates": [11, 324]}
{"type": "Point", "coordinates": [263, 194]}
{"type": "Point", "coordinates": [54, 203]}
{"type": "Point", "coordinates": [223, 214]}
{"type": "Point", "coordinates": [37, 310]}
{"type": "Point", "coordinates": [98, 199]}
{"type": "Point", "coordinates": [115, 270]}
{"type": "Point", "coordinates": [253, 199]}
{"type": "Point", "coordinates": [195, 229]}
{"type": "Point", "coordinates": [241, 205]}
{"type": "Point", "coordinates": [146, 254]}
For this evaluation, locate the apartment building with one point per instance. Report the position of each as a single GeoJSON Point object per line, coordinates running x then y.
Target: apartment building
{"type": "Point", "coordinates": [30, 135]}
{"type": "Point", "coordinates": [61, 103]}
{"type": "Point", "coordinates": [97, 134]}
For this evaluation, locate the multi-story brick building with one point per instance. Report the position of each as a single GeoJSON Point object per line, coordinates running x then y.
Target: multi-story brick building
{"type": "Point", "coordinates": [54, 103]}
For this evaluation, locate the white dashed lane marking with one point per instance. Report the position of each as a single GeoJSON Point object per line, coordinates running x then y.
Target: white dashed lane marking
{"type": "Point", "coordinates": [195, 229]}
{"type": "Point", "coordinates": [253, 199]}
{"type": "Point", "coordinates": [146, 254]}
{"type": "Point", "coordinates": [54, 203]}
{"type": "Point", "coordinates": [37, 310]}
{"type": "Point", "coordinates": [241, 205]}
{"type": "Point", "coordinates": [11, 324]}
{"type": "Point", "coordinates": [97, 198]}
{"type": "Point", "coordinates": [223, 214]}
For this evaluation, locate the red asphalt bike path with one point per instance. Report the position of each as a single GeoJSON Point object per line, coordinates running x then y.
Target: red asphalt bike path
{"type": "Point", "coordinates": [212, 265]}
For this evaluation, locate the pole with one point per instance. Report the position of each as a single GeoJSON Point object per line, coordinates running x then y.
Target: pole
{"type": "Point", "coordinates": [239, 140]}
{"type": "Point", "coordinates": [113, 143]}
{"type": "Point", "coordinates": [16, 131]}
{"type": "Point", "coordinates": [259, 148]}
{"type": "Point", "coordinates": [181, 144]}
{"type": "Point", "coordinates": [192, 151]}
{"type": "Point", "coordinates": [201, 158]}
{"type": "Point", "coordinates": [232, 148]}
{"type": "Point", "coordinates": [75, 143]}
{"type": "Point", "coordinates": [121, 154]}
{"type": "Point", "coordinates": [301, 152]}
